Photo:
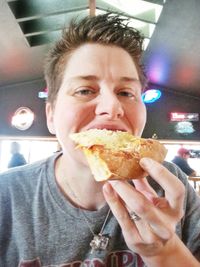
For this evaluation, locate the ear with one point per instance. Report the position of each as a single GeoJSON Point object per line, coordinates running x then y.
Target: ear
{"type": "Point", "coordinates": [50, 117]}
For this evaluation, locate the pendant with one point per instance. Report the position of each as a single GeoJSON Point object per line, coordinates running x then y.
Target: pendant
{"type": "Point", "coordinates": [99, 242]}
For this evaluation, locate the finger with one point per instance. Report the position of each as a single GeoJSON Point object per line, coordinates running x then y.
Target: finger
{"type": "Point", "coordinates": [144, 187]}
{"type": "Point", "coordinates": [143, 227]}
{"type": "Point", "coordinates": [130, 232]}
{"type": "Point", "coordinates": [147, 234]}
{"type": "Point", "coordinates": [173, 187]}
{"type": "Point", "coordinates": [137, 202]}
{"type": "Point", "coordinates": [118, 209]}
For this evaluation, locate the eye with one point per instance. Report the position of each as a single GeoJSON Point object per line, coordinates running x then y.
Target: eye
{"type": "Point", "coordinates": [85, 92]}
{"type": "Point", "coordinates": [126, 93]}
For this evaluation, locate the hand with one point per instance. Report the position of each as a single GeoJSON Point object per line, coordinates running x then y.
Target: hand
{"type": "Point", "coordinates": [150, 235]}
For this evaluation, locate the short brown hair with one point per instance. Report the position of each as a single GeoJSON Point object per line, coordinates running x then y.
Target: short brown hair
{"type": "Point", "coordinates": [106, 29]}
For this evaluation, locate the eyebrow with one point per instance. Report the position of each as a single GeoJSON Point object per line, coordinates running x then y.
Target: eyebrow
{"type": "Point", "coordinates": [95, 78]}
{"type": "Point", "coordinates": [86, 77]}
{"type": "Point", "coordinates": [128, 79]}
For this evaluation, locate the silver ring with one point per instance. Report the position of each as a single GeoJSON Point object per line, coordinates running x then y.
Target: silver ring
{"type": "Point", "coordinates": [134, 217]}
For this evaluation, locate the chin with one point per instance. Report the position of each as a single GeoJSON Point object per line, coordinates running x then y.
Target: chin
{"type": "Point", "coordinates": [78, 157]}
{"type": "Point", "coordinates": [74, 157]}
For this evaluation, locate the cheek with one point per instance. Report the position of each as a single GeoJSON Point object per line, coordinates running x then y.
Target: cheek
{"type": "Point", "coordinates": [137, 118]}
{"type": "Point", "coordinates": [74, 117]}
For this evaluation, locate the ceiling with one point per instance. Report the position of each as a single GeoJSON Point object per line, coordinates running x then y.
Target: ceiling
{"type": "Point", "coordinates": [28, 27]}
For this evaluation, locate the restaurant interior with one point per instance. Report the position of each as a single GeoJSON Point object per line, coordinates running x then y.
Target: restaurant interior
{"type": "Point", "coordinates": [171, 58]}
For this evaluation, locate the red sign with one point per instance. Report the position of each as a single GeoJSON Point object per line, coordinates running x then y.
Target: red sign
{"type": "Point", "coordinates": [176, 116]}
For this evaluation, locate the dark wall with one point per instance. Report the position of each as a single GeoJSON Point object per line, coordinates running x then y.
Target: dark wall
{"type": "Point", "coordinates": [158, 116]}
{"type": "Point", "coordinates": [23, 95]}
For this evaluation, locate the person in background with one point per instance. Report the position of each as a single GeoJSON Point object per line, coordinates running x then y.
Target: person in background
{"type": "Point", "coordinates": [17, 159]}
{"type": "Point", "coordinates": [181, 160]}
{"type": "Point", "coordinates": [53, 212]}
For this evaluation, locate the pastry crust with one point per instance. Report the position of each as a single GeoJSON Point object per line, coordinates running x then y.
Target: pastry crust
{"type": "Point", "coordinates": [116, 155]}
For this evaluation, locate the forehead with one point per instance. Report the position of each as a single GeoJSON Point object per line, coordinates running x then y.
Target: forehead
{"type": "Point", "coordinates": [100, 60]}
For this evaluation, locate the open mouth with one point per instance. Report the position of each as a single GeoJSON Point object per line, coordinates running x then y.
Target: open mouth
{"type": "Point", "coordinates": [109, 128]}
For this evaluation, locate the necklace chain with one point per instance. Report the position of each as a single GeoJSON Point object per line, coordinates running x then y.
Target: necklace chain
{"type": "Point", "coordinates": [100, 241]}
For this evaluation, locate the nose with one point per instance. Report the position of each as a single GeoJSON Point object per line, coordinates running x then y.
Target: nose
{"type": "Point", "coordinates": [109, 105]}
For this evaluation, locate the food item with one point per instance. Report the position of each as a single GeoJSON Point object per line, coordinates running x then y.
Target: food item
{"type": "Point", "coordinates": [116, 154]}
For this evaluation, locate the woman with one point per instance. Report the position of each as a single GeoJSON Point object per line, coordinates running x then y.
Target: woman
{"type": "Point", "coordinates": [56, 213]}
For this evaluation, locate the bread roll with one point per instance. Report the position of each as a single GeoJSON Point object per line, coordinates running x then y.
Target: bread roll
{"type": "Point", "coordinates": [116, 154]}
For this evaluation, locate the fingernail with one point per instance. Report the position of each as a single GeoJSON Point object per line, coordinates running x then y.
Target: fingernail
{"type": "Point", "coordinates": [114, 182]}
{"type": "Point", "coordinates": [108, 188]}
{"type": "Point", "coordinates": [145, 162]}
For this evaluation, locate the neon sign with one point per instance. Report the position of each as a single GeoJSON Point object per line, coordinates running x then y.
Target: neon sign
{"type": "Point", "coordinates": [151, 95]}
{"type": "Point", "coordinates": [176, 116]}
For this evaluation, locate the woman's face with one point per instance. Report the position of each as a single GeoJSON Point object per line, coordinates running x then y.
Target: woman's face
{"type": "Point", "coordinates": [100, 89]}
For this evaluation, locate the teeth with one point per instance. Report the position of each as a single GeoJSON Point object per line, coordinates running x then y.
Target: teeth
{"type": "Point", "coordinates": [110, 129]}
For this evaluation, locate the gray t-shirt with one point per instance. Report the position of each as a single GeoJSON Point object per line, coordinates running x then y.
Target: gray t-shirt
{"type": "Point", "coordinates": [39, 227]}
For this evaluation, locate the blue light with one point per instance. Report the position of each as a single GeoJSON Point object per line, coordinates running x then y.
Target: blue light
{"type": "Point", "coordinates": [151, 95]}
{"type": "Point", "coordinates": [42, 94]}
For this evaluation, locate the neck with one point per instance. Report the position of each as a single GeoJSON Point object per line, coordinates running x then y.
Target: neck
{"type": "Point", "coordinates": [78, 185]}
